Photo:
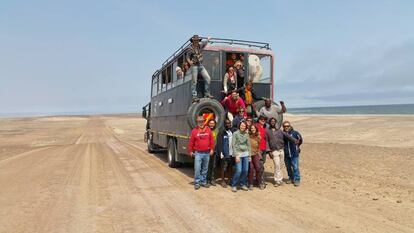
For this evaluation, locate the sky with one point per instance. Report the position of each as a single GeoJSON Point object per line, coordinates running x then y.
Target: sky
{"type": "Point", "coordinates": [99, 56]}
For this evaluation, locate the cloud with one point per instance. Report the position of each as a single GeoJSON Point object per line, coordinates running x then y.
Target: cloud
{"type": "Point", "coordinates": [368, 76]}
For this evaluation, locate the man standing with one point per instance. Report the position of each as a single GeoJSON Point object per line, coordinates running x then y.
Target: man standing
{"type": "Point", "coordinates": [200, 147]}
{"type": "Point", "coordinates": [262, 146]}
{"type": "Point", "coordinates": [224, 150]}
{"type": "Point", "coordinates": [195, 58]}
{"type": "Point", "coordinates": [270, 110]}
{"type": "Point", "coordinates": [275, 144]}
{"type": "Point", "coordinates": [213, 161]}
{"type": "Point", "coordinates": [292, 152]}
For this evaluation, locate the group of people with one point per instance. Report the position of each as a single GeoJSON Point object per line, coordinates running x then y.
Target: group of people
{"type": "Point", "coordinates": [242, 145]}
{"type": "Point", "coordinates": [240, 149]}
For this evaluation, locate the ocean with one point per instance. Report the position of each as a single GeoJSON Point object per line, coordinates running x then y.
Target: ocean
{"type": "Point", "coordinates": [404, 109]}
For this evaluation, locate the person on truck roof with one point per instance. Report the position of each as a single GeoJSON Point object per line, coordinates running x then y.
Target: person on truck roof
{"type": "Point", "coordinates": [195, 58]}
{"type": "Point", "coordinates": [232, 103]}
{"type": "Point", "coordinates": [201, 147]}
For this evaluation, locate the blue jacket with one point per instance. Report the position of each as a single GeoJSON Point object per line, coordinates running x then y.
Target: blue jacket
{"type": "Point", "coordinates": [223, 144]}
{"type": "Point", "coordinates": [291, 149]}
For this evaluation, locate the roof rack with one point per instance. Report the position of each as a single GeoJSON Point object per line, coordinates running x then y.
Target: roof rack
{"type": "Point", "coordinates": [213, 40]}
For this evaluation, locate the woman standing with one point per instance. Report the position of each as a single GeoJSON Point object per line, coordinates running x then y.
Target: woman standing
{"type": "Point", "coordinates": [241, 152]}
{"type": "Point", "coordinates": [254, 163]}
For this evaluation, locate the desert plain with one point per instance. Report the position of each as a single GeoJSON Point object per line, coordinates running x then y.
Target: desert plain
{"type": "Point", "coordinates": [93, 174]}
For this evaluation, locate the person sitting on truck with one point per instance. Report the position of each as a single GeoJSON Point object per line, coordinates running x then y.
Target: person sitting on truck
{"type": "Point", "coordinates": [200, 147]}
{"type": "Point", "coordinates": [231, 103]}
{"type": "Point", "coordinates": [238, 118]}
{"type": "Point", "coordinates": [180, 73]}
{"type": "Point", "coordinates": [248, 95]}
{"type": "Point", "coordinates": [240, 73]}
{"type": "Point", "coordinates": [213, 160]}
{"type": "Point", "coordinates": [230, 62]}
{"type": "Point", "coordinates": [224, 150]}
{"type": "Point", "coordinates": [230, 80]}
{"type": "Point", "coordinates": [270, 110]}
{"type": "Point", "coordinates": [186, 67]}
{"type": "Point", "coordinates": [195, 58]}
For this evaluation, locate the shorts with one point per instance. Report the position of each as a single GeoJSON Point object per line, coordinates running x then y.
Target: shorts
{"type": "Point", "coordinates": [225, 163]}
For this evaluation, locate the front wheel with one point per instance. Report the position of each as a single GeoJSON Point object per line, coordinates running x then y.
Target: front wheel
{"type": "Point", "coordinates": [150, 144]}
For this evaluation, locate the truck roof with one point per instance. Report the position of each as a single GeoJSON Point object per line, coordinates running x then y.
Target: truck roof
{"type": "Point", "coordinates": [221, 44]}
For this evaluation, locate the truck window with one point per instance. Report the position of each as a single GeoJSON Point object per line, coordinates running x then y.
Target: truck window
{"type": "Point", "coordinates": [154, 86]}
{"type": "Point", "coordinates": [260, 68]}
{"type": "Point", "coordinates": [211, 61]}
{"type": "Point", "coordinates": [166, 78]}
{"type": "Point", "coordinates": [160, 83]}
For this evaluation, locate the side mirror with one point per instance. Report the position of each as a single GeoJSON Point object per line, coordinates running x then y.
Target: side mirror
{"type": "Point", "coordinates": [144, 113]}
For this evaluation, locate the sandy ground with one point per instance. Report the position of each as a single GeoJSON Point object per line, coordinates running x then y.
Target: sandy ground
{"type": "Point", "coordinates": [93, 174]}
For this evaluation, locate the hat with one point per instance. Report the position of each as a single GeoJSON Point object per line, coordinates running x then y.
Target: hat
{"type": "Point", "coordinates": [199, 118]}
{"type": "Point", "coordinates": [195, 37]}
{"type": "Point", "coordinates": [262, 117]}
{"type": "Point", "coordinates": [177, 69]}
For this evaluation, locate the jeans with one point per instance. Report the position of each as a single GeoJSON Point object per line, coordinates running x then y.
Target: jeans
{"type": "Point", "coordinates": [277, 161]}
{"type": "Point", "coordinates": [212, 168]}
{"type": "Point", "coordinates": [195, 70]}
{"type": "Point", "coordinates": [292, 167]}
{"type": "Point", "coordinates": [255, 165]}
{"type": "Point", "coordinates": [201, 168]}
{"type": "Point", "coordinates": [240, 174]}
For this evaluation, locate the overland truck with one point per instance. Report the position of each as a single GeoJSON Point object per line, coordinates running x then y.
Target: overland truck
{"type": "Point", "coordinates": [171, 113]}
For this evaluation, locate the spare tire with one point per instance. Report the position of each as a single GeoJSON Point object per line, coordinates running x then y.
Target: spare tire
{"type": "Point", "coordinates": [206, 105]}
{"type": "Point", "coordinates": [259, 104]}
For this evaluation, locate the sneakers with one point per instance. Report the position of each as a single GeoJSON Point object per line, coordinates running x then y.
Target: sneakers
{"type": "Point", "coordinates": [208, 96]}
{"type": "Point", "coordinates": [197, 187]}
{"type": "Point", "coordinates": [289, 181]}
{"type": "Point", "coordinates": [250, 187]}
{"type": "Point", "coordinates": [296, 183]}
{"type": "Point", "coordinates": [206, 185]}
{"type": "Point", "coordinates": [213, 182]}
{"type": "Point", "coordinates": [244, 188]}
{"type": "Point", "coordinates": [224, 184]}
{"type": "Point", "coordinates": [278, 183]}
{"type": "Point", "coordinates": [234, 189]}
{"type": "Point", "coordinates": [262, 186]}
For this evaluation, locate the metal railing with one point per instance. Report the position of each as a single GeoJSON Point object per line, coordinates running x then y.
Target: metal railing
{"type": "Point", "coordinates": [255, 44]}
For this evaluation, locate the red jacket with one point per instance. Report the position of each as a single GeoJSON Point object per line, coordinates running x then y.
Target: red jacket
{"type": "Point", "coordinates": [201, 140]}
{"type": "Point", "coordinates": [262, 132]}
{"type": "Point", "coordinates": [232, 106]}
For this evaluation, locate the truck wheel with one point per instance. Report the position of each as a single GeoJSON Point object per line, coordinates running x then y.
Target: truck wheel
{"type": "Point", "coordinates": [206, 105]}
{"type": "Point", "coordinates": [172, 153]}
{"type": "Point", "coordinates": [259, 104]}
{"type": "Point", "coordinates": [150, 144]}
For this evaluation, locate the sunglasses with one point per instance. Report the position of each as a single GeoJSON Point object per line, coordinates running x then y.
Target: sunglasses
{"type": "Point", "coordinates": [286, 126]}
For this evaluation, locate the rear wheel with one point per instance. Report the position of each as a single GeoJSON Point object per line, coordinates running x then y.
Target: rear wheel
{"type": "Point", "coordinates": [172, 153]}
